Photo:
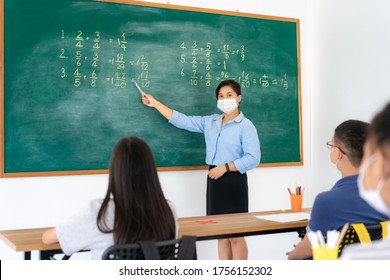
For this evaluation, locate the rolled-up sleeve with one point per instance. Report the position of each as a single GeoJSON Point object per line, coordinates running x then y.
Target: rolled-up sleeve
{"type": "Point", "coordinates": [251, 149]}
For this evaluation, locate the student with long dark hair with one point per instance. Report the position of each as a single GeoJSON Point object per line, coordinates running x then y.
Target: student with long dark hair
{"type": "Point", "coordinates": [133, 209]}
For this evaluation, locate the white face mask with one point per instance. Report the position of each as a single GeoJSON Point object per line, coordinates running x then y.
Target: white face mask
{"type": "Point", "coordinates": [330, 159]}
{"type": "Point", "coordinates": [227, 105]}
{"type": "Point", "coordinates": [372, 197]}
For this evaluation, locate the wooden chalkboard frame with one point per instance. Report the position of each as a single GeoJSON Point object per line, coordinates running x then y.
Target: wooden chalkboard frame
{"type": "Point", "coordinates": [176, 168]}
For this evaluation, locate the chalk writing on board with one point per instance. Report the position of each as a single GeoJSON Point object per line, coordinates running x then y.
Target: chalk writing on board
{"type": "Point", "coordinates": [95, 60]}
{"type": "Point", "coordinates": [217, 59]}
{"type": "Point", "coordinates": [89, 63]}
{"type": "Point", "coordinates": [204, 58]}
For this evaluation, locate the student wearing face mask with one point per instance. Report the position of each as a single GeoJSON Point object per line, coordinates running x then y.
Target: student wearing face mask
{"type": "Point", "coordinates": [342, 204]}
{"type": "Point", "coordinates": [374, 184]}
{"type": "Point", "coordinates": [232, 148]}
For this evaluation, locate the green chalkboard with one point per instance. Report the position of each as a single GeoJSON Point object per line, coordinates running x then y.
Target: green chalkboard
{"type": "Point", "coordinates": [69, 68]}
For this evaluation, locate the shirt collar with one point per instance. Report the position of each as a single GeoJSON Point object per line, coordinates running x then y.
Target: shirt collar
{"type": "Point", "coordinates": [349, 180]}
{"type": "Point", "coordinates": [236, 119]}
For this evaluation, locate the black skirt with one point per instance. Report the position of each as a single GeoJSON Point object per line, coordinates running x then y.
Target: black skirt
{"type": "Point", "coordinates": [228, 194]}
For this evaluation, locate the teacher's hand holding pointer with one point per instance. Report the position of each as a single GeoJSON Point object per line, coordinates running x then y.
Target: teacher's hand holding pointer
{"type": "Point", "coordinates": [232, 148]}
{"type": "Point", "coordinates": [149, 100]}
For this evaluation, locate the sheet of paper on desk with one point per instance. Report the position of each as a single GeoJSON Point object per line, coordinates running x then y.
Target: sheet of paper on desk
{"type": "Point", "coordinates": [286, 217]}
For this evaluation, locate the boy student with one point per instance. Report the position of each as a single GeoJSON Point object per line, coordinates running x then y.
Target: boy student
{"type": "Point", "coordinates": [342, 204]}
{"type": "Point", "coordinates": [374, 184]}
{"type": "Point", "coordinates": [133, 209]}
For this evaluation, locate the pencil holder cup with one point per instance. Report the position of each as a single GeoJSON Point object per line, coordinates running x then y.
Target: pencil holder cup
{"type": "Point", "coordinates": [296, 202]}
{"type": "Point", "coordinates": [325, 253]}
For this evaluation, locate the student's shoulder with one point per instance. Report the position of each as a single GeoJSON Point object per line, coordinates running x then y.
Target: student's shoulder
{"type": "Point", "coordinates": [324, 197]}
{"type": "Point", "coordinates": [331, 199]}
{"type": "Point", "coordinates": [173, 208]}
{"type": "Point", "coordinates": [95, 204]}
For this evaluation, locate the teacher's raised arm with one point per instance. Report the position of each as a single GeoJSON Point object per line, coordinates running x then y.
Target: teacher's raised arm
{"type": "Point", "coordinates": [150, 101]}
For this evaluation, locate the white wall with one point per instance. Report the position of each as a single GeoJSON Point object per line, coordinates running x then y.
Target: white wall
{"type": "Point", "coordinates": [343, 59]}
{"type": "Point", "coordinates": [350, 77]}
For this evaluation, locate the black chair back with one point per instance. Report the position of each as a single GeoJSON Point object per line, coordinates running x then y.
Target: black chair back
{"type": "Point", "coordinates": [174, 249]}
{"type": "Point", "coordinates": [352, 235]}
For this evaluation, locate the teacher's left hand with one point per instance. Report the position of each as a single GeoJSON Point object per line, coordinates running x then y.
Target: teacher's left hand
{"type": "Point", "coordinates": [217, 172]}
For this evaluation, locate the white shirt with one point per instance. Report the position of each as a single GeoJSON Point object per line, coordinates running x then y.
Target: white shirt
{"type": "Point", "coordinates": [80, 232]}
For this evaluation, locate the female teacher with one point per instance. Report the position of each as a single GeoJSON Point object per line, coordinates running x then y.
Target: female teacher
{"type": "Point", "coordinates": [232, 148]}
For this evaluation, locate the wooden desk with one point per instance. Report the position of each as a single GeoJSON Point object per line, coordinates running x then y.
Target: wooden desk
{"type": "Point", "coordinates": [204, 227]}
{"type": "Point", "coordinates": [235, 225]}
{"type": "Point", "coordinates": [27, 240]}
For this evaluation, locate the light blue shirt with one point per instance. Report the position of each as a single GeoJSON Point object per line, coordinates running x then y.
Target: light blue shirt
{"type": "Point", "coordinates": [236, 141]}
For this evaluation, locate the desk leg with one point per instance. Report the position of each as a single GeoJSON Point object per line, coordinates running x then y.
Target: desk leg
{"type": "Point", "coordinates": [49, 255]}
{"type": "Point", "coordinates": [301, 233]}
{"type": "Point", "coordinates": [27, 255]}
{"type": "Point", "coordinates": [45, 255]}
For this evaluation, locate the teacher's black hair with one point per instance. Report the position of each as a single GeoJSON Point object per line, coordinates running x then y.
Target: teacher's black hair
{"type": "Point", "coordinates": [232, 83]}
